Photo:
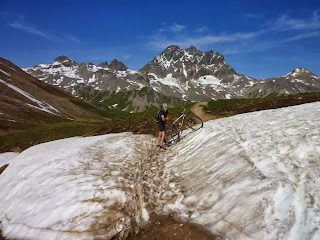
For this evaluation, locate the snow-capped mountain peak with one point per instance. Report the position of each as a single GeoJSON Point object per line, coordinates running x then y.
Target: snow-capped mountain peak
{"type": "Point", "coordinates": [195, 74]}
{"type": "Point", "coordinates": [300, 73]}
{"type": "Point", "coordinates": [297, 81]}
{"type": "Point", "coordinates": [188, 74]}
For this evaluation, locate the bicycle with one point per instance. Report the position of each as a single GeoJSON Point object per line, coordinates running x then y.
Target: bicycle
{"type": "Point", "coordinates": [175, 131]}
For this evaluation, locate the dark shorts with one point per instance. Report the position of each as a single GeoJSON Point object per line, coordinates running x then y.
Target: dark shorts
{"type": "Point", "coordinates": [161, 127]}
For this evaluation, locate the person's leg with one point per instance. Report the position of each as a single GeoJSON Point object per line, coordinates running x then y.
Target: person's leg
{"type": "Point", "coordinates": [159, 139]}
{"type": "Point", "coordinates": [163, 134]}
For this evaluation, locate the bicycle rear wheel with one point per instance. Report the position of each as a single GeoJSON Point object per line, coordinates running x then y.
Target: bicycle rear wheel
{"type": "Point", "coordinates": [194, 122]}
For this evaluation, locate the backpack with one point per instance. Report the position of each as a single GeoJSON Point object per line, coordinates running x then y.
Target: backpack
{"type": "Point", "coordinates": [157, 117]}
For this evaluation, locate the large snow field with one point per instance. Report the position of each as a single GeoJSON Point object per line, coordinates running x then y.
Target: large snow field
{"type": "Point", "coordinates": [76, 188]}
{"type": "Point", "coordinates": [250, 176]}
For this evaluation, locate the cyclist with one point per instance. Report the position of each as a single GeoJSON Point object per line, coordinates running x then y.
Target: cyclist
{"type": "Point", "coordinates": [163, 117]}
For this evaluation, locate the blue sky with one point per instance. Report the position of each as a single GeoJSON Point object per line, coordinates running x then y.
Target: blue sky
{"type": "Point", "coordinates": [258, 38]}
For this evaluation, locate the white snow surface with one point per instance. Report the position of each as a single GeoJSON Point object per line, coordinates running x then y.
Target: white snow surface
{"type": "Point", "coordinates": [72, 188]}
{"type": "Point", "coordinates": [253, 176]}
{"type": "Point", "coordinates": [250, 176]}
{"type": "Point", "coordinates": [5, 158]}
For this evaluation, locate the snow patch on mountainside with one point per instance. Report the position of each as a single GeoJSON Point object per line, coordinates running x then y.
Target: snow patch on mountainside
{"type": "Point", "coordinates": [8, 74]}
{"type": "Point", "coordinates": [209, 80]}
{"type": "Point", "coordinates": [43, 106]}
{"type": "Point", "coordinates": [169, 81]}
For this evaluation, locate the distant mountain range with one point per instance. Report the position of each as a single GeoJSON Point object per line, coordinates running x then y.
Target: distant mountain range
{"type": "Point", "coordinates": [176, 75]}
{"type": "Point", "coordinates": [27, 102]}
{"type": "Point", "coordinates": [298, 81]}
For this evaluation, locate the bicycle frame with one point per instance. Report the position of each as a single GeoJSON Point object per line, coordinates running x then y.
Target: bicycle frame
{"type": "Point", "coordinates": [176, 127]}
{"type": "Point", "coordinates": [180, 120]}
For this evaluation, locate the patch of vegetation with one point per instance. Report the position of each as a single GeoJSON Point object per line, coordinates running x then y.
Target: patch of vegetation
{"type": "Point", "coordinates": [229, 107]}
{"type": "Point", "coordinates": [52, 90]}
{"type": "Point", "coordinates": [89, 107]}
{"type": "Point", "coordinates": [115, 102]}
{"type": "Point", "coordinates": [105, 100]}
{"type": "Point", "coordinates": [264, 93]}
{"type": "Point", "coordinates": [141, 122]}
{"type": "Point", "coordinates": [20, 140]}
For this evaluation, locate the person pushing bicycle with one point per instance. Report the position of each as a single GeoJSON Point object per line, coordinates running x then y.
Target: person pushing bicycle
{"type": "Point", "coordinates": [161, 118]}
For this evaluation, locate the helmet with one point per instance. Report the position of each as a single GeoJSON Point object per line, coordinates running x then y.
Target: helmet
{"type": "Point", "coordinates": [165, 105]}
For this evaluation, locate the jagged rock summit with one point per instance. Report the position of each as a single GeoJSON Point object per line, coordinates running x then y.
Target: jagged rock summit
{"type": "Point", "coordinates": [117, 65]}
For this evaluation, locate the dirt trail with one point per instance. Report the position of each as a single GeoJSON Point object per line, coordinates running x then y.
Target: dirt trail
{"type": "Point", "coordinates": [167, 228]}
{"type": "Point", "coordinates": [152, 185]}
{"type": "Point", "coordinates": [142, 177]}
{"type": "Point", "coordinates": [198, 110]}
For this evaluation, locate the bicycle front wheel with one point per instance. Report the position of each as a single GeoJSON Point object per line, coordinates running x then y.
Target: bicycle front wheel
{"type": "Point", "coordinates": [172, 135]}
{"type": "Point", "coordinates": [194, 122]}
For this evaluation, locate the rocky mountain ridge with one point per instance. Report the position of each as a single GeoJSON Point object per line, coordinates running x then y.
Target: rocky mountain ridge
{"type": "Point", "coordinates": [299, 80]}
{"type": "Point", "coordinates": [186, 74]}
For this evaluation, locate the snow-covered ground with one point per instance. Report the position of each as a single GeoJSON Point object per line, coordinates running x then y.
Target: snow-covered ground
{"type": "Point", "coordinates": [5, 158]}
{"type": "Point", "coordinates": [251, 176]}
{"type": "Point", "coordinates": [76, 188]}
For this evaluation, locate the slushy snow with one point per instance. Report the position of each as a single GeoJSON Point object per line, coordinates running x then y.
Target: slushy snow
{"type": "Point", "coordinates": [250, 176]}
{"type": "Point", "coordinates": [73, 188]}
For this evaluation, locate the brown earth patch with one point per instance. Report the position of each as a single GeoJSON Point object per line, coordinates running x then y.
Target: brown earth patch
{"type": "Point", "coordinates": [197, 109]}
{"type": "Point", "coordinates": [167, 228]}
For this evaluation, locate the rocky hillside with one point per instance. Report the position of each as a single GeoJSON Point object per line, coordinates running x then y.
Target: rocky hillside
{"type": "Point", "coordinates": [176, 73]}
{"type": "Point", "coordinates": [27, 102]}
{"type": "Point", "coordinates": [114, 85]}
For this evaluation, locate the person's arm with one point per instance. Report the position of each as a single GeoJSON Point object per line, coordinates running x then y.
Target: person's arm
{"type": "Point", "coordinates": [163, 117]}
